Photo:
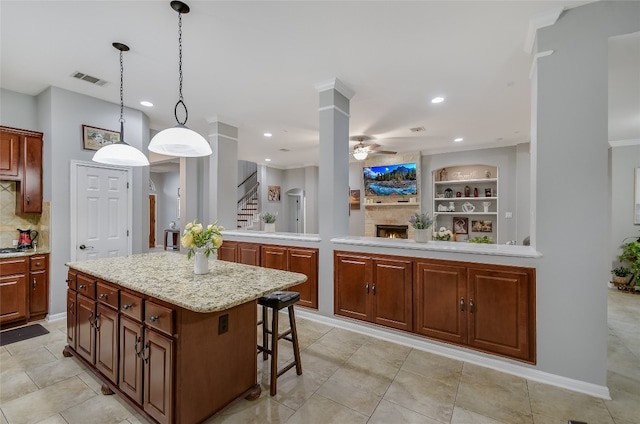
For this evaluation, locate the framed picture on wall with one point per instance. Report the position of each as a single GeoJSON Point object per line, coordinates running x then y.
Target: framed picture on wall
{"type": "Point", "coordinates": [354, 199]}
{"type": "Point", "coordinates": [460, 225]}
{"type": "Point", "coordinates": [94, 138]}
{"type": "Point", "coordinates": [274, 194]}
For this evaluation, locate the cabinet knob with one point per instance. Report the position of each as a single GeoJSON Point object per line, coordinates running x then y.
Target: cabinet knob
{"type": "Point", "coordinates": [102, 296]}
{"type": "Point", "coordinates": [35, 283]}
{"type": "Point", "coordinates": [366, 288]}
{"type": "Point", "coordinates": [153, 318]}
{"type": "Point", "coordinates": [82, 287]}
{"type": "Point", "coordinates": [125, 307]}
{"type": "Point", "coordinates": [462, 304]}
{"type": "Point", "coordinates": [38, 263]}
{"type": "Point", "coordinates": [471, 305]}
{"type": "Point", "coordinates": [373, 289]}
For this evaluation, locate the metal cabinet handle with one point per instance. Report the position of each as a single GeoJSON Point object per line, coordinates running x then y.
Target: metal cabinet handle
{"type": "Point", "coordinates": [142, 353]}
{"type": "Point", "coordinates": [373, 289]}
{"type": "Point", "coordinates": [35, 283]}
{"type": "Point", "coordinates": [102, 296]}
{"type": "Point", "coordinates": [125, 307]}
{"type": "Point", "coordinates": [367, 288]}
{"type": "Point", "coordinates": [97, 322]}
{"type": "Point", "coordinates": [82, 286]}
{"type": "Point", "coordinates": [91, 320]}
{"type": "Point", "coordinates": [135, 347]}
{"type": "Point", "coordinates": [462, 304]}
{"type": "Point", "coordinates": [72, 308]}
{"type": "Point", "coordinates": [153, 318]}
{"type": "Point", "coordinates": [471, 305]}
{"type": "Point", "coordinates": [28, 199]}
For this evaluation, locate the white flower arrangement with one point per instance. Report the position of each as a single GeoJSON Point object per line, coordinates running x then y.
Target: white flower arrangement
{"type": "Point", "coordinates": [443, 234]}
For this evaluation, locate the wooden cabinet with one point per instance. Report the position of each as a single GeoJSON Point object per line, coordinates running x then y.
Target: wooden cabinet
{"type": "Point", "coordinates": [377, 289]}
{"type": "Point", "coordinates": [13, 290]}
{"type": "Point", "coordinates": [158, 379]}
{"type": "Point", "coordinates": [9, 155]}
{"type": "Point", "coordinates": [21, 161]}
{"type": "Point", "coordinates": [502, 311]}
{"type": "Point", "coordinates": [240, 252]}
{"type": "Point", "coordinates": [295, 259]}
{"type": "Point", "coordinates": [484, 307]}
{"type": "Point", "coordinates": [131, 345]}
{"type": "Point", "coordinates": [72, 299]}
{"type": "Point", "coordinates": [38, 286]}
{"type": "Point", "coordinates": [85, 332]}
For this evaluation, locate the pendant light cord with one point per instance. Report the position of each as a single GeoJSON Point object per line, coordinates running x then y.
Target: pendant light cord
{"type": "Point", "coordinates": [121, 99]}
{"type": "Point", "coordinates": [180, 98]}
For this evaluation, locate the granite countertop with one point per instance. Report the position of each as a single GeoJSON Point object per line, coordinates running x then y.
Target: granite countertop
{"type": "Point", "coordinates": [28, 252]}
{"type": "Point", "coordinates": [169, 276]}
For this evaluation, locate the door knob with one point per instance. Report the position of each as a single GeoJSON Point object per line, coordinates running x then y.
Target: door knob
{"type": "Point", "coordinates": [82, 247]}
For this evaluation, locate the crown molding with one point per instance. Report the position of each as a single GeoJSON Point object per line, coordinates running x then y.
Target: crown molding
{"type": "Point", "coordinates": [538, 21]}
{"type": "Point", "coordinates": [335, 84]}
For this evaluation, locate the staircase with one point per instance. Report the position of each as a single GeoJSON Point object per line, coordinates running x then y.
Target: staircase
{"type": "Point", "coordinates": [248, 212]}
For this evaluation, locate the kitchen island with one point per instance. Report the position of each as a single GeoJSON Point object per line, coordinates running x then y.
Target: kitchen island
{"type": "Point", "coordinates": [177, 346]}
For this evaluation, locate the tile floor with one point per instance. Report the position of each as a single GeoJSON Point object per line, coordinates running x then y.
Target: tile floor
{"type": "Point", "coordinates": [348, 378]}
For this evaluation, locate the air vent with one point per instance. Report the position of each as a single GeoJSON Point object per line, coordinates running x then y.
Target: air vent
{"type": "Point", "coordinates": [285, 150]}
{"type": "Point", "coordinates": [89, 78]}
{"type": "Point", "coordinates": [417, 129]}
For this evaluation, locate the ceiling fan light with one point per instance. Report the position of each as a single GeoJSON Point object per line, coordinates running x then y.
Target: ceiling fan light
{"type": "Point", "coordinates": [180, 141]}
{"type": "Point", "coordinates": [120, 154]}
{"type": "Point", "coordinates": [360, 154]}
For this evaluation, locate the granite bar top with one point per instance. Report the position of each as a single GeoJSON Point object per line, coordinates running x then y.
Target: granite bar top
{"type": "Point", "coordinates": [169, 276]}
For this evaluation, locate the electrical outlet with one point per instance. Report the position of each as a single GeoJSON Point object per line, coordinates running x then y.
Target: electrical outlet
{"type": "Point", "coordinates": [15, 242]}
{"type": "Point", "coordinates": [508, 214]}
{"type": "Point", "coordinates": [223, 324]}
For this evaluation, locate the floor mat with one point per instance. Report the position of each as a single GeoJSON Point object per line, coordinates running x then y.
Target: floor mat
{"type": "Point", "coordinates": [22, 333]}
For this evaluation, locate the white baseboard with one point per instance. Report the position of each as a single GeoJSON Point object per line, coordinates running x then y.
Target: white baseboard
{"type": "Point", "coordinates": [56, 317]}
{"type": "Point", "coordinates": [461, 354]}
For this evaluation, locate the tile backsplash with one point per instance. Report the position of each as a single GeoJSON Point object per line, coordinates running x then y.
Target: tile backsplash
{"type": "Point", "coordinates": [10, 222]}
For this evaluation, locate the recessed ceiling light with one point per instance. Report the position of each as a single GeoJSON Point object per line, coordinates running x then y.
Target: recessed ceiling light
{"type": "Point", "coordinates": [459, 139]}
{"type": "Point", "coordinates": [437, 100]}
{"type": "Point", "coordinates": [267, 160]}
{"type": "Point", "coordinates": [268, 134]}
{"type": "Point", "coordinates": [146, 103]}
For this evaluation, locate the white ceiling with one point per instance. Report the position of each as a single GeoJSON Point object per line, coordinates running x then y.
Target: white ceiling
{"type": "Point", "coordinates": [255, 65]}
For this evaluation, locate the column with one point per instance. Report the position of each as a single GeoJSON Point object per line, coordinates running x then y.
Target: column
{"type": "Point", "coordinates": [333, 192]}
{"type": "Point", "coordinates": [222, 193]}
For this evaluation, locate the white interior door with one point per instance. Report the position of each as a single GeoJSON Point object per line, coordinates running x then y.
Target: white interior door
{"type": "Point", "coordinates": [102, 212]}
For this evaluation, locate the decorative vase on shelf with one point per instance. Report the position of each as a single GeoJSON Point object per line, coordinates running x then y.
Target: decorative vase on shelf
{"type": "Point", "coordinates": [422, 235]}
{"type": "Point", "coordinates": [201, 264]}
{"type": "Point", "coordinates": [270, 227]}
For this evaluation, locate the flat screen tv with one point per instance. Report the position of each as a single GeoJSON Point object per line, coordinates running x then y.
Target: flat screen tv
{"type": "Point", "coordinates": [390, 180]}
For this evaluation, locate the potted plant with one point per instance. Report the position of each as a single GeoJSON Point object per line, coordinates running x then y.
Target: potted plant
{"type": "Point", "coordinates": [421, 222]}
{"type": "Point", "coordinates": [621, 275]}
{"type": "Point", "coordinates": [269, 220]}
{"type": "Point", "coordinates": [631, 255]}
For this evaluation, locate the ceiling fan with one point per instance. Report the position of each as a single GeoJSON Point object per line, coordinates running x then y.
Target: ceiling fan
{"type": "Point", "coordinates": [362, 150]}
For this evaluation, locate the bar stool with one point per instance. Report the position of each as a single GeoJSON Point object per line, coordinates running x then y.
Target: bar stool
{"type": "Point", "coordinates": [276, 301]}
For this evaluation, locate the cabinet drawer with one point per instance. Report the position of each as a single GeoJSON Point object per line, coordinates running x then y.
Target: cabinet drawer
{"type": "Point", "coordinates": [131, 306]}
{"type": "Point", "coordinates": [86, 286]}
{"type": "Point", "coordinates": [71, 280]}
{"type": "Point", "coordinates": [108, 294]}
{"type": "Point", "coordinates": [12, 266]}
{"type": "Point", "coordinates": [38, 263]}
{"type": "Point", "coordinates": [158, 317]}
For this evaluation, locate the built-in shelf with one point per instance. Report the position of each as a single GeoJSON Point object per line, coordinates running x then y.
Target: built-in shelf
{"type": "Point", "coordinates": [453, 199]}
{"type": "Point", "coordinates": [472, 181]}
{"type": "Point", "coordinates": [393, 204]}
{"type": "Point", "coordinates": [466, 213]}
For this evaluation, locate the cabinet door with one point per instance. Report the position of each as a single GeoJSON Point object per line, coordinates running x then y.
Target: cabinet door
{"type": "Point", "coordinates": [502, 312]}
{"type": "Point", "coordinates": [391, 293]}
{"type": "Point", "coordinates": [352, 286]}
{"type": "Point", "coordinates": [85, 333]}
{"type": "Point", "coordinates": [158, 379]}
{"type": "Point", "coordinates": [274, 257]}
{"type": "Point", "coordinates": [9, 155]}
{"type": "Point", "coordinates": [39, 294]}
{"type": "Point", "coordinates": [107, 342]}
{"type": "Point", "coordinates": [72, 298]}
{"type": "Point", "coordinates": [441, 302]}
{"type": "Point", "coordinates": [130, 362]}
{"type": "Point", "coordinates": [249, 254]}
{"type": "Point", "coordinates": [228, 251]}
{"type": "Point", "coordinates": [29, 199]}
{"type": "Point", "coordinates": [305, 261]}
{"type": "Point", "coordinates": [13, 298]}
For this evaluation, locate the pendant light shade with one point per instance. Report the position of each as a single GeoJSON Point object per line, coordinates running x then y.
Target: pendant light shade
{"type": "Point", "coordinates": [360, 154]}
{"type": "Point", "coordinates": [121, 153]}
{"type": "Point", "coordinates": [180, 141]}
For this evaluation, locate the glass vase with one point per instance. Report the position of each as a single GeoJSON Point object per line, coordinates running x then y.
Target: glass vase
{"type": "Point", "coordinates": [201, 264]}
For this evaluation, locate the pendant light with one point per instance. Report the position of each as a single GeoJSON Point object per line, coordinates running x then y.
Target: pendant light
{"type": "Point", "coordinates": [180, 141]}
{"type": "Point", "coordinates": [360, 152]}
{"type": "Point", "coordinates": [121, 153]}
